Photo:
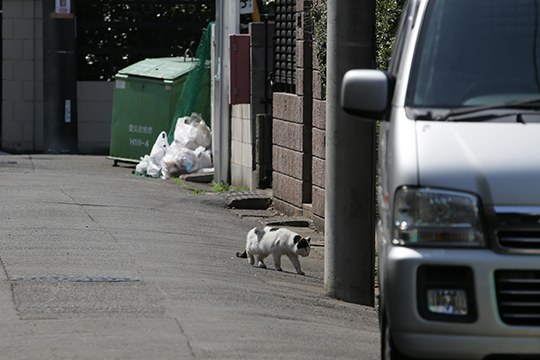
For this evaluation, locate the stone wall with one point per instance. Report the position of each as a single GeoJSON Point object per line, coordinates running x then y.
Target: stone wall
{"type": "Point", "coordinates": [22, 75]}
{"type": "Point", "coordinates": [319, 162]}
{"type": "Point", "coordinates": [291, 182]}
{"type": "Point", "coordinates": [299, 143]}
{"type": "Point", "coordinates": [241, 146]}
{"type": "Point", "coordinates": [319, 146]}
{"type": "Point", "coordinates": [22, 87]}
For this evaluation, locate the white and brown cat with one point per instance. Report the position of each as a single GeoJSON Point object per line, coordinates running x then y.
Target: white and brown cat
{"type": "Point", "coordinates": [263, 241]}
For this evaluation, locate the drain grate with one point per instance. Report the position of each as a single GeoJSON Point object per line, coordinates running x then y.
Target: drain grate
{"type": "Point", "coordinates": [86, 279]}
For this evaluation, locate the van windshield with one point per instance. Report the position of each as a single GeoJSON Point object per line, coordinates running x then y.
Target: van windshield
{"type": "Point", "coordinates": [477, 53]}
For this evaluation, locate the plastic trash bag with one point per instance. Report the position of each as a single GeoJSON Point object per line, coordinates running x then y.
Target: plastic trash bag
{"type": "Point", "coordinates": [160, 148]}
{"type": "Point", "coordinates": [151, 164]}
{"type": "Point", "coordinates": [180, 160]}
{"type": "Point", "coordinates": [204, 158]}
{"type": "Point", "coordinates": [189, 152]}
{"type": "Point", "coordinates": [153, 169]}
{"type": "Point", "coordinates": [191, 132]}
{"type": "Point", "coordinates": [142, 165]}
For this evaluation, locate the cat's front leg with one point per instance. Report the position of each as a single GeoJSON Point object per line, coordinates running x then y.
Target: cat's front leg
{"type": "Point", "coordinates": [277, 262]}
{"type": "Point", "coordinates": [296, 264]}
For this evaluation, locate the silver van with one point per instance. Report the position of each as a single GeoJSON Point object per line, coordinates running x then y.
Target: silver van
{"type": "Point", "coordinates": [459, 180]}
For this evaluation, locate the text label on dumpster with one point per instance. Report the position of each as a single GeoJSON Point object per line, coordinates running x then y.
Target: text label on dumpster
{"type": "Point", "coordinates": [139, 129]}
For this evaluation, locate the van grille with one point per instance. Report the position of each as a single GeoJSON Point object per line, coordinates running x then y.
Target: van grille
{"type": "Point", "coordinates": [518, 229]}
{"type": "Point", "coordinates": [522, 240]}
{"type": "Point", "coordinates": [518, 296]}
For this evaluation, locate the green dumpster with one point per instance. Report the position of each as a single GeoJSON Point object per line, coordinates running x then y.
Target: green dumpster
{"type": "Point", "coordinates": [145, 97]}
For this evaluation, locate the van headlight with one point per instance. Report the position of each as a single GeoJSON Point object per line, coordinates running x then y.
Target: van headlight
{"type": "Point", "coordinates": [431, 217]}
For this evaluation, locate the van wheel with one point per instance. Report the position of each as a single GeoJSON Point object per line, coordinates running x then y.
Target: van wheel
{"type": "Point", "coordinates": [388, 350]}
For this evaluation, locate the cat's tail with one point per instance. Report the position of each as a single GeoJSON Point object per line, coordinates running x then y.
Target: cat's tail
{"type": "Point", "coordinates": [242, 254]}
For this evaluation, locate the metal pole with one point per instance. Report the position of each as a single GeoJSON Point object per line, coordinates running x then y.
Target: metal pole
{"type": "Point", "coordinates": [228, 22]}
{"type": "Point", "coordinates": [350, 159]}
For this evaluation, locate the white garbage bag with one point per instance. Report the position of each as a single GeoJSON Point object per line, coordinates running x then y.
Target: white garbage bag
{"type": "Point", "coordinates": [204, 158]}
{"type": "Point", "coordinates": [179, 160]}
{"type": "Point", "coordinates": [151, 164]}
{"type": "Point", "coordinates": [189, 152]}
{"type": "Point", "coordinates": [141, 167]}
{"type": "Point", "coordinates": [191, 132]}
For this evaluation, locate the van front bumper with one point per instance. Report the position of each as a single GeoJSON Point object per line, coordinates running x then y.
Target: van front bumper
{"type": "Point", "coordinates": [418, 332]}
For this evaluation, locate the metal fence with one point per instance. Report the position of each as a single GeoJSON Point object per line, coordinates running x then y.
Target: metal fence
{"type": "Point", "coordinates": [112, 34]}
{"type": "Point", "coordinates": [285, 46]}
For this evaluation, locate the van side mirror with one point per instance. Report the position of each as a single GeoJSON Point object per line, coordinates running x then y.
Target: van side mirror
{"type": "Point", "coordinates": [366, 93]}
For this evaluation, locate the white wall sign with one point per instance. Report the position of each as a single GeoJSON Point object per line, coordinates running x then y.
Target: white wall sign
{"type": "Point", "coordinates": [63, 7]}
{"type": "Point", "coordinates": [246, 6]}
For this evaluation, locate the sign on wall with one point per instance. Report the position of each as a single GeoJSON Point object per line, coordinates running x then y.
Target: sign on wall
{"type": "Point", "coordinates": [246, 7]}
{"type": "Point", "coordinates": [63, 7]}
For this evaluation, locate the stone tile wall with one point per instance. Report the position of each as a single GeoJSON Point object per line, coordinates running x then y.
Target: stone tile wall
{"type": "Point", "coordinates": [242, 146]}
{"type": "Point", "coordinates": [22, 75]}
{"type": "Point", "coordinates": [22, 87]}
{"type": "Point", "coordinates": [299, 133]}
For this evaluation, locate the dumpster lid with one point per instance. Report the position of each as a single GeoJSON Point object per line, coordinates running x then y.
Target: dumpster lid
{"type": "Point", "coordinates": [160, 68]}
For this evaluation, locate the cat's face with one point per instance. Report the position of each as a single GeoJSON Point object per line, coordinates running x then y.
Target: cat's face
{"type": "Point", "coordinates": [302, 245]}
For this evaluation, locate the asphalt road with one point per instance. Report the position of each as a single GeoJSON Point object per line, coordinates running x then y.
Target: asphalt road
{"type": "Point", "coordinates": [101, 264]}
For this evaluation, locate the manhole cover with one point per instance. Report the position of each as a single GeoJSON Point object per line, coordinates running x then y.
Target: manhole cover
{"type": "Point", "coordinates": [53, 278]}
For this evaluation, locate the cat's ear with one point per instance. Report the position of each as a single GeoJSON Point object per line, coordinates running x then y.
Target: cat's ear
{"type": "Point", "coordinates": [297, 238]}
{"type": "Point", "coordinates": [308, 239]}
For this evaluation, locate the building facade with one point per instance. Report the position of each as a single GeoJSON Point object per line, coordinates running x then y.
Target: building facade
{"type": "Point", "coordinates": [23, 89]}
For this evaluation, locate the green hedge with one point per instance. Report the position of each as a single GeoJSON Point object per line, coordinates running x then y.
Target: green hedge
{"type": "Point", "coordinates": [387, 20]}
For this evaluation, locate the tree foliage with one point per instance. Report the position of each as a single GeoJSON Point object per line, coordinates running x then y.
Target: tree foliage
{"type": "Point", "coordinates": [113, 34]}
{"type": "Point", "coordinates": [319, 17]}
{"type": "Point", "coordinates": [386, 20]}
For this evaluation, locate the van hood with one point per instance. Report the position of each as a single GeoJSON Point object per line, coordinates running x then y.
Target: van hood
{"type": "Point", "coordinates": [498, 161]}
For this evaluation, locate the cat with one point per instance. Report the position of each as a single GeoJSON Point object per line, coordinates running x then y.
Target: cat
{"type": "Point", "coordinates": [263, 241]}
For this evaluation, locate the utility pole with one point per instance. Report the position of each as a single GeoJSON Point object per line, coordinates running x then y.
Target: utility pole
{"type": "Point", "coordinates": [59, 77]}
{"type": "Point", "coordinates": [227, 23]}
{"type": "Point", "coordinates": [350, 159]}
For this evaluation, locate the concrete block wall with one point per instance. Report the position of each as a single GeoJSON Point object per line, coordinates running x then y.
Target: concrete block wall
{"type": "Point", "coordinates": [287, 153]}
{"type": "Point", "coordinates": [319, 142]}
{"type": "Point", "coordinates": [242, 146]}
{"type": "Point", "coordinates": [319, 156]}
{"type": "Point", "coordinates": [292, 129]}
{"type": "Point", "coordinates": [22, 75]}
